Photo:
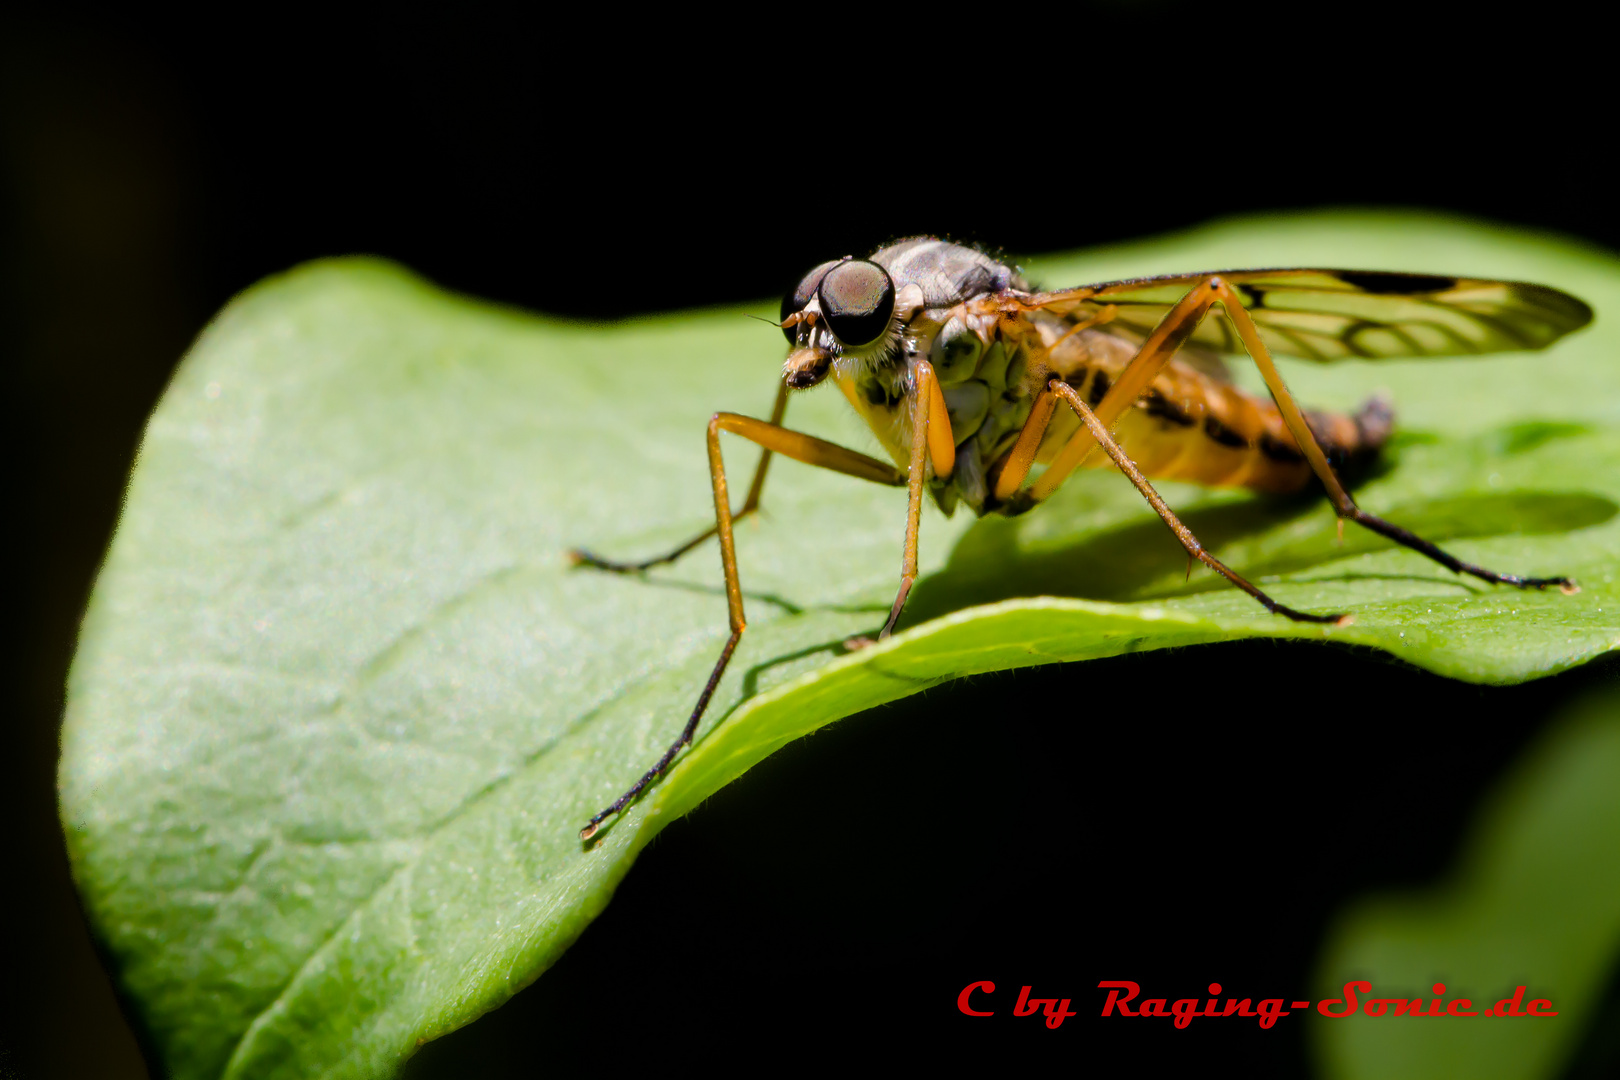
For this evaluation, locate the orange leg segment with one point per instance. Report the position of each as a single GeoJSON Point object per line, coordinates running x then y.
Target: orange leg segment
{"type": "Point", "coordinates": [580, 557]}
{"type": "Point", "coordinates": [774, 439]}
{"type": "Point", "coordinates": [1015, 466]}
{"type": "Point", "coordinates": [1342, 502]}
{"type": "Point", "coordinates": [931, 443]}
{"type": "Point", "coordinates": [1195, 550]}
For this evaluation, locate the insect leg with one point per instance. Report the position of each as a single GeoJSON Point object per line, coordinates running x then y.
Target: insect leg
{"type": "Point", "coordinates": [1095, 429]}
{"type": "Point", "coordinates": [1218, 290]}
{"type": "Point", "coordinates": [1173, 330]}
{"type": "Point", "coordinates": [581, 557]}
{"type": "Point", "coordinates": [930, 443]}
{"type": "Point", "coordinates": [1012, 469]}
{"type": "Point", "coordinates": [774, 439]}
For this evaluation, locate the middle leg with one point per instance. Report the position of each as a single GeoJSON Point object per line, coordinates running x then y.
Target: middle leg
{"type": "Point", "coordinates": [1093, 430]}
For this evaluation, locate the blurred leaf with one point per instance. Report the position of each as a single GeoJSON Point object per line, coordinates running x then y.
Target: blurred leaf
{"type": "Point", "coordinates": [1535, 902]}
{"type": "Point", "coordinates": [340, 706]}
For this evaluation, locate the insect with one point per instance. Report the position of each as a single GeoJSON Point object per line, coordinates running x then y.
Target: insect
{"type": "Point", "coordinates": [969, 377]}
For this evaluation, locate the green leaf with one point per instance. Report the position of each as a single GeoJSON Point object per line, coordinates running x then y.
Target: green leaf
{"type": "Point", "coordinates": [340, 705]}
{"type": "Point", "coordinates": [1534, 902]}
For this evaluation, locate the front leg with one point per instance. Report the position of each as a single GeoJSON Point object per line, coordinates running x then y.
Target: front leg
{"type": "Point", "coordinates": [930, 443]}
{"type": "Point", "coordinates": [581, 557]}
{"type": "Point", "coordinates": [774, 439]}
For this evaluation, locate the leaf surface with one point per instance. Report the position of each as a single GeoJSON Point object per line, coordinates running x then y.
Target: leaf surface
{"type": "Point", "coordinates": [340, 704]}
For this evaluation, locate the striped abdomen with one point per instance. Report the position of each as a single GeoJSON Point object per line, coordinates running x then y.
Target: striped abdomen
{"type": "Point", "coordinates": [1196, 427]}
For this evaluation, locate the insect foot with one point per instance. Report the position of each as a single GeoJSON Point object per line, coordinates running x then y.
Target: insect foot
{"type": "Point", "coordinates": [581, 557]}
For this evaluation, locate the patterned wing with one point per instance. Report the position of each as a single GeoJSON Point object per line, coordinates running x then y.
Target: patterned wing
{"type": "Point", "coordinates": [1332, 314]}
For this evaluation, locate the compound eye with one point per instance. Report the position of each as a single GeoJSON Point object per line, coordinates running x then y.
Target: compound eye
{"type": "Point", "coordinates": [794, 302]}
{"type": "Point", "coordinates": [857, 299]}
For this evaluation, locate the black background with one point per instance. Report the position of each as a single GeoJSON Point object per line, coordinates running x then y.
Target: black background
{"type": "Point", "coordinates": [1174, 819]}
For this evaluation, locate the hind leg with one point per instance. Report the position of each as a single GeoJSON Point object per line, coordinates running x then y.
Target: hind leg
{"type": "Point", "coordinates": [1343, 504]}
{"type": "Point", "coordinates": [1173, 330]}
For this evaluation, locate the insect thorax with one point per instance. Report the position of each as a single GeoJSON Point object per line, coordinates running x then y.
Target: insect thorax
{"type": "Point", "coordinates": [983, 377]}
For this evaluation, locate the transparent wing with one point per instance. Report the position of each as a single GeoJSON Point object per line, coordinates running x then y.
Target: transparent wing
{"type": "Point", "coordinates": [1332, 314]}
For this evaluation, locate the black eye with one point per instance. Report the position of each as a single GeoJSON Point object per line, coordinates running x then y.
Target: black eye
{"type": "Point", "coordinates": [857, 299]}
{"type": "Point", "coordinates": [794, 302]}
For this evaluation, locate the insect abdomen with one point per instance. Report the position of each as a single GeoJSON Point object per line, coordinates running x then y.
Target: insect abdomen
{"type": "Point", "coordinates": [1195, 428]}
